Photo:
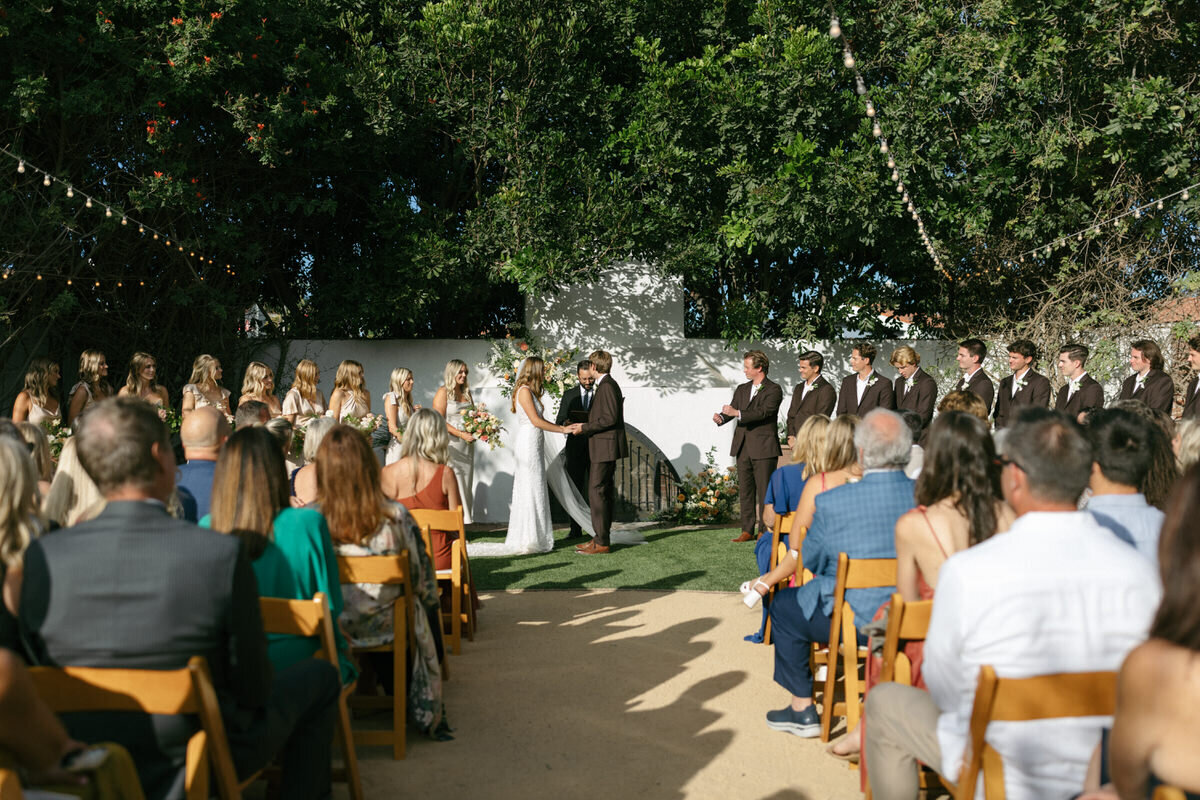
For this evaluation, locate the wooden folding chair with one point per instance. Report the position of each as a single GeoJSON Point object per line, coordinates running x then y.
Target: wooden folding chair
{"type": "Point", "coordinates": [1068, 694]}
{"type": "Point", "coordinates": [313, 619]}
{"type": "Point", "coordinates": [457, 579]}
{"type": "Point", "coordinates": [10, 785]}
{"type": "Point", "coordinates": [852, 573]}
{"type": "Point", "coordinates": [392, 570]}
{"type": "Point", "coordinates": [907, 622]}
{"type": "Point", "coordinates": [782, 527]}
{"type": "Point", "coordinates": [181, 691]}
{"type": "Point", "coordinates": [1168, 793]}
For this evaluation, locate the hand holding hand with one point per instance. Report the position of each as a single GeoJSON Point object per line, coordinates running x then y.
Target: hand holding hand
{"type": "Point", "coordinates": [575, 428]}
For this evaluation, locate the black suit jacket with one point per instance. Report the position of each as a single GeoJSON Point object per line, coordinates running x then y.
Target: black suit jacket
{"type": "Point", "coordinates": [821, 399]}
{"type": "Point", "coordinates": [918, 394]}
{"type": "Point", "coordinates": [877, 395]}
{"type": "Point", "coordinates": [1191, 408]}
{"type": "Point", "coordinates": [605, 427]}
{"type": "Point", "coordinates": [757, 432]}
{"type": "Point", "coordinates": [1158, 391]}
{"type": "Point", "coordinates": [1090, 394]}
{"type": "Point", "coordinates": [576, 446]}
{"type": "Point", "coordinates": [979, 384]}
{"type": "Point", "coordinates": [136, 588]}
{"type": "Point", "coordinates": [1036, 393]}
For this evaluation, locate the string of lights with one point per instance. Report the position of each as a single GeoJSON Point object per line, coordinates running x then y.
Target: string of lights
{"type": "Point", "coordinates": [886, 149]}
{"type": "Point", "coordinates": [194, 256]}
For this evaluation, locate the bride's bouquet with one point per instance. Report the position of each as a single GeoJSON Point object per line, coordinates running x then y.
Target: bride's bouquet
{"type": "Point", "coordinates": [57, 435]}
{"type": "Point", "coordinates": [483, 425]}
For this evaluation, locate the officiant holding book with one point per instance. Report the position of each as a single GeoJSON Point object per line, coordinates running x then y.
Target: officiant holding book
{"type": "Point", "coordinates": [574, 407]}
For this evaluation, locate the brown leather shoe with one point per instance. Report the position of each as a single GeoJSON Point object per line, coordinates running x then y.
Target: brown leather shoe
{"type": "Point", "coordinates": [746, 536]}
{"type": "Point", "coordinates": [592, 549]}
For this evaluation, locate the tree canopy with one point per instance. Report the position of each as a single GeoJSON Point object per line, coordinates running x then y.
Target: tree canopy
{"type": "Point", "coordinates": [391, 168]}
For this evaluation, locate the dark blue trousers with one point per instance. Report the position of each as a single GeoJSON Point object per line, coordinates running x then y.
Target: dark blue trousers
{"type": "Point", "coordinates": [792, 633]}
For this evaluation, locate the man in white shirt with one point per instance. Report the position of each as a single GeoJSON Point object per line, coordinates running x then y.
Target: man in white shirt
{"type": "Point", "coordinates": [971, 353]}
{"type": "Point", "coordinates": [1123, 447]}
{"type": "Point", "coordinates": [1056, 593]}
{"type": "Point", "coordinates": [1081, 390]}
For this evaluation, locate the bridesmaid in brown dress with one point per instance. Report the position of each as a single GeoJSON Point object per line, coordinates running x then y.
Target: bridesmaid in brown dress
{"type": "Point", "coordinates": [422, 478]}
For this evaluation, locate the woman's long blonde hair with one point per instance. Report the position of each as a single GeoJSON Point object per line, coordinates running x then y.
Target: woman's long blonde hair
{"type": "Point", "coordinates": [204, 369]}
{"type": "Point", "coordinates": [810, 439]}
{"type": "Point", "coordinates": [138, 362]}
{"type": "Point", "coordinates": [39, 449]}
{"type": "Point", "coordinates": [73, 496]}
{"type": "Point", "coordinates": [253, 381]}
{"type": "Point", "coordinates": [89, 373]}
{"type": "Point", "coordinates": [305, 379]}
{"type": "Point", "coordinates": [448, 380]}
{"type": "Point", "coordinates": [37, 381]}
{"type": "Point", "coordinates": [533, 375]}
{"type": "Point", "coordinates": [400, 376]}
{"type": "Point", "coordinates": [426, 437]}
{"type": "Point", "coordinates": [19, 519]}
{"type": "Point", "coordinates": [839, 451]}
{"type": "Point", "coordinates": [350, 378]}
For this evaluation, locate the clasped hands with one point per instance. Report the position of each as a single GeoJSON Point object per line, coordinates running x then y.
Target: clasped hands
{"type": "Point", "coordinates": [574, 429]}
{"type": "Point", "coordinates": [726, 410]}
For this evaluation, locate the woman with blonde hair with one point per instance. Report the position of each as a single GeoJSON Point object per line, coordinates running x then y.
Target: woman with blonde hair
{"type": "Point", "coordinates": [452, 398]}
{"type": "Point", "coordinates": [141, 383]}
{"type": "Point", "coordinates": [39, 450]}
{"type": "Point", "coordinates": [93, 368]}
{"type": "Point", "coordinates": [421, 478]}
{"type": "Point", "coordinates": [258, 383]}
{"type": "Point", "coordinates": [350, 397]}
{"type": "Point", "coordinates": [304, 402]}
{"type": "Point", "coordinates": [73, 496]}
{"type": "Point", "coordinates": [398, 408]}
{"type": "Point", "coordinates": [1187, 444]}
{"type": "Point", "coordinates": [304, 480]}
{"type": "Point", "coordinates": [364, 522]}
{"type": "Point", "coordinates": [204, 387]}
{"type": "Point", "coordinates": [38, 401]}
{"type": "Point", "coordinates": [787, 482]}
{"type": "Point", "coordinates": [20, 524]}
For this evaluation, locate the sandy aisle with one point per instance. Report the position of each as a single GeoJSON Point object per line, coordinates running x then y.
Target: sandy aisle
{"type": "Point", "coordinates": [611, 694]}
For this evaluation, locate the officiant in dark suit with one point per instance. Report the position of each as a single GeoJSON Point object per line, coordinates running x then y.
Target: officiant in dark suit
{"type": "Point", "coordinates": [576, 402]}
{"type": "Point", "coordinates": [755, 406]}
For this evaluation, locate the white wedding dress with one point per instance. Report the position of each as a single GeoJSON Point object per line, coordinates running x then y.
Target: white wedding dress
{"type": "Point", "coordinates": [541, 463]}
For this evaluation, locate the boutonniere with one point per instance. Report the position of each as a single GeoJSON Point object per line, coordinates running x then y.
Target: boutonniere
{"type": "Point", "coordinates": [1022, 383]}
{"type": "Point", "coordinates": [871, 380]}
{"type": "Point", "coordinates": [1141, 379]}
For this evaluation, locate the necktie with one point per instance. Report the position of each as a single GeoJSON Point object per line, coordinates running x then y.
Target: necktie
{"type": "Point", "coordinates": [587, 399]}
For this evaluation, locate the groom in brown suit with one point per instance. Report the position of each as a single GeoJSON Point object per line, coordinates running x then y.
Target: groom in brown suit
{"type": "Point", "coordinates": [607, 444]}
{"type": "Point", "coordinates": [755, 406]}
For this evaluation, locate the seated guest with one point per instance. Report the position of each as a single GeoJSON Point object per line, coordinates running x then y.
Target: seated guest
{"type": "Point", "coordinates": [1164, 470]}
{"type": "Point", "coordinates": [303, 481]}
{"type": "Point", "coordinates": [783, 494]}
{"type": "Point", "coordinates": [859, 520]}
{"type": "Point", "coordinates": [73, 496]}
{"type": "Point", "coordinates": [422, 478]}
{"type": "Point", "coordinates": [203, 432]}
{"type": "Point", "coordinates": [135, 588]}
{"type": "Point", "coordinates": [19, 525]}
{"type": "Point", "coordinates": [364, 522]}
{"type": "Point", "coordinates": [1123, 447]}
{"type": "Point", "coordinates": [1055, 593]}
{"type": "Point", "coordinates": [252, 412]}
{"type": "Point", "coordinates": [39, 449]}
{"type": "Point", "coordinates": [958, 506]}
{"type": "Point", "coordinates": [290, 547]}
{"type": "Point", "coordinates": [916, 456]}
{"type": "Point", "coordinates": [962, 400]}
{"type": "Point", "coordinates": [1186, 444]}
{"type": "Point", "coordinates": [284, 435]}
{"type": "Point", "coordinates": [1154, 735]}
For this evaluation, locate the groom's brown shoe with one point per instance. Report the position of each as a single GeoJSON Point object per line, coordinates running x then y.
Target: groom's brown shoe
{"type": "Point", "coordinates": [592, 549]}
{"type": "Point", "coordinates": [745, 537]}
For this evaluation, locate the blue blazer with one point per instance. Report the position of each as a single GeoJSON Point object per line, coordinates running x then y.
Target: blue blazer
{"type": "Point", "coordinates": [858, 519]}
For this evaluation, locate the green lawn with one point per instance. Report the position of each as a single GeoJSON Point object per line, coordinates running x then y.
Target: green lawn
{"type": "Point", "coordinates": [672, 558]}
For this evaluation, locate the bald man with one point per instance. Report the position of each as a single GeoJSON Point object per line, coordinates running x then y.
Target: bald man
{"type": "Point", "coordinates": [203, 432]}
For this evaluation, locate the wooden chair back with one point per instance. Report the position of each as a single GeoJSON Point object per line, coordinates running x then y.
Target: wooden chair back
{"type": "Point", "coordinates": [1069, 694]}
{"type": "Point", "coordinates": [10, 785]}
{"type": "Point", "coordinates": [781, 528]}
{"type": "Point", "coordinates": [907, 622]}
{"type": "Point", "coordinates": [1168, 793]}
{"type": "Point", "coordinates": [852, 573]}
{"type": "Point", "coordinates": [456, 580]}
{"type": "Point", "coordinates": [314, 619]}
{"type": "Point", "coordinates": [181, 691]}
{"type": "Point", "coordinates": [391, 570]}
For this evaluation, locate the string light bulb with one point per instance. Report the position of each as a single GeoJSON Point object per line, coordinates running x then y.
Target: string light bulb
{"type": "Point", "coordinates": [124, 220]}
{"type": "Point", "coordinates": [108, 212]}
{"type": "Point", "coordinates": [86, 203]}
{"type": "Point", "coordinates": [46, 179]}
{"type": "Point", "coordinates": [883, 147]}
{"type": "Point", "coordinates": [1185, 195]}
{"type": "Point", "coordinates": [891, 162]}
{"type": "Point", "coordinates": [835, 28]}
{"type": "Point", "coordinates": [876, 131]}
{"type": "Point", "coordinates": [20, 171]}
{"type": "Point", "coordinates": [870, 109]}
{"type": "Point", "coordinates": [848, 59]}
{"type": "Point", "coordinates": [70, 192]}
{"type": "Point", "coordinates": [1158, 205]}
{"type": "Point", "coordinates": [1137, 213]}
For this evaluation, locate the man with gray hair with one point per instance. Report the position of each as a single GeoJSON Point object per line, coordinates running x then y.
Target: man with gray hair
{"type": "Point", "coordinates": [135, 588]}
{"type": "Point", "coordinates": [1056, 593]}
{"type": "Point", "coordinates": [858, 519]}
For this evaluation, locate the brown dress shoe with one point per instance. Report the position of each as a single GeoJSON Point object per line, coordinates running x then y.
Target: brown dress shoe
{"type": "Point", "coordinates": [746, 536]}
{"type": "Point", "coordinates": [592, 549]}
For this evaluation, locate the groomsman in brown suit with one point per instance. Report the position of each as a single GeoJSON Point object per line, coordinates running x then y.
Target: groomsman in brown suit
{"type": "Point", "coordinates": [1148, 382]}
{"type": "Point", "coordinates": [916, 390]}
{"type": "Point", "coordinates": [1081, 390]}
{"type": "Point", "coordinates": [755, 406]}
{"type": "Point", "coordinates": [607, 444]}
{"type": "Point", "coordinates": [866, 389]}
{"type": "Point", "coordinates": [1191, 404]}
{"type": "Point", "coordinates": [1024, 387]}
{"type": "Point", "coordinates": [815, 395]}
{"type": "Point", "coordinates": [971, 353]}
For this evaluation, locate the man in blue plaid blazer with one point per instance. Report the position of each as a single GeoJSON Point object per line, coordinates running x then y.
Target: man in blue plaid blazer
{"type": "Point", "coordinates": [858, 519]}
